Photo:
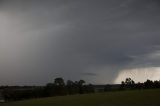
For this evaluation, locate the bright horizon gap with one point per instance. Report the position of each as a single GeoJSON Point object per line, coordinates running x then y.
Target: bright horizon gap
{"type": "Point", "coordinates": [139, 74]}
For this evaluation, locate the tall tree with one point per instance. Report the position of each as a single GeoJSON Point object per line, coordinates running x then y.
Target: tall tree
{"type": "Point", "coordinates": [59, 82]}
{"type": "Point", "coordinates": [80, 85]}
{"type": "Point", "coordinates": [59, 86]}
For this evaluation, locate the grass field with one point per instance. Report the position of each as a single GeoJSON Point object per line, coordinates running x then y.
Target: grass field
{"type": "Point", "coordinates": [121, 98]}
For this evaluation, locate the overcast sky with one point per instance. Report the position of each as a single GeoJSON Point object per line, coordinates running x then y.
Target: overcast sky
{"type": "Point", "coordinates": [100, 41]}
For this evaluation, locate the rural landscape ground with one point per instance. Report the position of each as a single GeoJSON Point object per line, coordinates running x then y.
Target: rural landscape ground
{"type": "Point", "coordinates": [118, 98]}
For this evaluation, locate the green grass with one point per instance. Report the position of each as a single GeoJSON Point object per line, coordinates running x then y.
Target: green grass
{"type": "Point", "coordinates": [121, 98]}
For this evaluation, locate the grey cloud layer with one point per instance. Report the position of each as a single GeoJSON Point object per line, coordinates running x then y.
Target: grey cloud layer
{"type": "Point", "coordinates": [76, 38]}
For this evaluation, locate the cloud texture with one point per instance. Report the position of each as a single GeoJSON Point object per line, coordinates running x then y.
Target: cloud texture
{"type": "Point", "coordinates": [77, 39]}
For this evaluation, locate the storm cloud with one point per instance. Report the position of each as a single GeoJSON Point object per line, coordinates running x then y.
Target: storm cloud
{"type": "Point", "coordinates": [94, 40]}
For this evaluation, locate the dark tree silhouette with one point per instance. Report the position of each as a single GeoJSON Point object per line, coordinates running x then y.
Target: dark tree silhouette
{"type": "Point", "coordinates": [70, 87]}
{"type": "Point", "coordinates": [128, 83]}
{"type": "Point", "coordinates": [49, 89]}
{"type": "Point", "coordinates": [80, 85]}
{"type": "Point", "coordinates": [59, 82]}
{"type": "Point", "coordinates": [149, 84]}
{"type": "Point", "coordinates": [60, 88]}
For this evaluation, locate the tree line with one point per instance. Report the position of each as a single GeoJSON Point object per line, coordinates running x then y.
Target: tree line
{"type": "Point", "coordinates": [130, 84]}
{"type": "Point", "coordinates": [56, 88]}
{"type": "Point", "coordinates": [60, 88]}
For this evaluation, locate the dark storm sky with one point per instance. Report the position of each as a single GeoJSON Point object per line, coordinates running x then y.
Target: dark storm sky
{"type": "Point", "coordinates": [100, 41]}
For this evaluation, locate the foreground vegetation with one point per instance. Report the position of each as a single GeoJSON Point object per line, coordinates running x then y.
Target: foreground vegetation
{"type": "Point", "coordinates": [60, 88]}
{"type": "Point", "coordinates": [119, 98]}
